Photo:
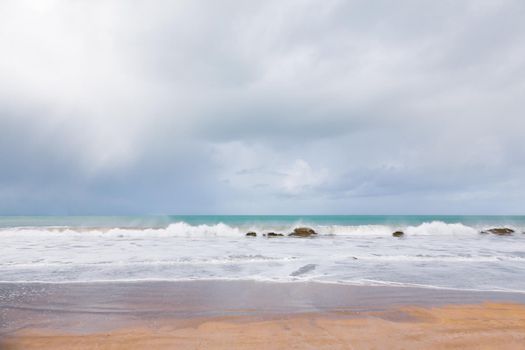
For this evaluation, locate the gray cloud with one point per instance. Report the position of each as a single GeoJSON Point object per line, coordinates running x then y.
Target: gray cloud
{"type": "Point", "coordinates": [261, 107]}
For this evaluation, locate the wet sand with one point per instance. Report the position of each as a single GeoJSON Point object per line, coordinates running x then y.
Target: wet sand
{"type": "Point", "coordinates": [255, 315]}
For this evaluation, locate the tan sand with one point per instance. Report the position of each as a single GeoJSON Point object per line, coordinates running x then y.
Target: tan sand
{"type": "Point", "coordinates": [480, 326]}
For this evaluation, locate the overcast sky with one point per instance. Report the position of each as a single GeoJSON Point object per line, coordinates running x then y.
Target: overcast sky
{"type": "Point", "coordinates": [262, 107]}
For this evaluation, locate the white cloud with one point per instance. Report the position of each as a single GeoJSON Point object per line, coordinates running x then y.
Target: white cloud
{"type": "Point", "coordinates": [300, 178]}
{"type": "Point", "coordinates": [254, 168]}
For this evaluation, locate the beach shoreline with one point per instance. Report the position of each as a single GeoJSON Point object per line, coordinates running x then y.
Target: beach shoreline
{"type": "Point", "coordinates": [248, 314]}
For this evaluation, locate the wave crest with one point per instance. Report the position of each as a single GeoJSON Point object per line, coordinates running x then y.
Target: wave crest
{"type": "Point", "coordinates": [183, 229]}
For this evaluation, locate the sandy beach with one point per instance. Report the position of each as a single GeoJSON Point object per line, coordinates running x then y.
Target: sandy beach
{"type": "Point", "coordinates": [256, 315]}
{"type": "Point", "coordinates": [486, 326]}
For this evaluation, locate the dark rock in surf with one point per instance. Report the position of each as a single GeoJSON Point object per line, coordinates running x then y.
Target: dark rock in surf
{"type": "Point", "coordinates": [398, 234]}
{"type": "Point", "coordinates": [303, 269]}
{"type": "Point", "coordinates": [251, 234]}
{"type": "Point", "coordinates": [273, 234]}
{"type": "Point", "coordinates": [303, 232]}
{"type": "Point", "coordinates": [500, 231]}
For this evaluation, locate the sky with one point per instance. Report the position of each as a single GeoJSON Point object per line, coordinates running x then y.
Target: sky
{"type": "Point", "coordinates": [121, 107]}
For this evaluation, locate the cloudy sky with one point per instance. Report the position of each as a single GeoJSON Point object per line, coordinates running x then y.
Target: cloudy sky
{"type": "Point", "coordinates": [262, 107]}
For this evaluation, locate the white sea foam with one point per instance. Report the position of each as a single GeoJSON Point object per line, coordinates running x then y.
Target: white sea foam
{"type": "Point", "coordinates": [441, 228]}
{"type": "Point", "coordinates": [182, 229]}
{"type": "Point", "coordinates": [434, 254]}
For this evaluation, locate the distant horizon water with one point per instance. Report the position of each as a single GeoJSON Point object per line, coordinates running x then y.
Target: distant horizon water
{"type": "Point", "coordinates": [158, 220]}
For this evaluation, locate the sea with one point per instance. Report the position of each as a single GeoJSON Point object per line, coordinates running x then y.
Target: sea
{"type": "Point", "coordinates": [447, 252]}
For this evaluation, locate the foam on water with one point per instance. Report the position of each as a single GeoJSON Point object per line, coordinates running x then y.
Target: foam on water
{"type": "Point", "coordinates": [182, 229]}
{"type": "Point", "coordinates": [433, 253]}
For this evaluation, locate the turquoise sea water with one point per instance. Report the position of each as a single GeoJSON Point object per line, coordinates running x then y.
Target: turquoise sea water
{"type": "Point", "coordinates": [435, 252]}
{"type": "Point", "coordinates": [234, 220]}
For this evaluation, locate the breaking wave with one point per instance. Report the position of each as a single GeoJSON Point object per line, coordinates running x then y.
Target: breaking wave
{"type": "Point", "coordinates": [183, 229]}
